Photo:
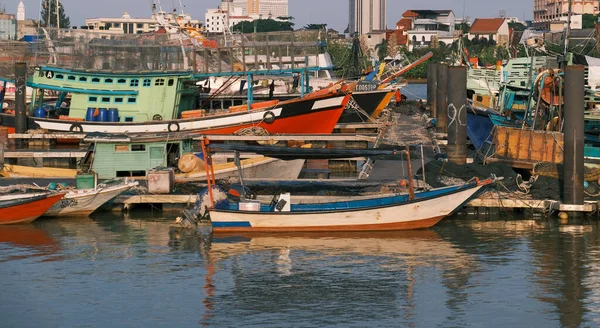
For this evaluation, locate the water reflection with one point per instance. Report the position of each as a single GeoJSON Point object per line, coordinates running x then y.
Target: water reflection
{"type": "Point", "coordinates": [511, 273]}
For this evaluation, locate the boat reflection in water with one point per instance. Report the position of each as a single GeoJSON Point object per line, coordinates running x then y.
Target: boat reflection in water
{"type": "Point", "coordinates": [34, 241]}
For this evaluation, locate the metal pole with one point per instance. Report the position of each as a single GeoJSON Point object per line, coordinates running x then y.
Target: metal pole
{"type": "Point", "coordinates": [20, 94]}
{"type": "Point", "coordinates": [442, 98]}
{"type": "Point", "coordinates": [250, 91]}
{"type": "Point", "coordinates": [568, 34]}
{"type": "Point", "coordinates": [457, 114]}
{"type": "Point", "coordinates": [573, 132]}
{"type": "Point", "coordinates": [431, 86]}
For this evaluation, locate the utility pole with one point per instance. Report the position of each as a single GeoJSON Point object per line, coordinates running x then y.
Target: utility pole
{"type": "Point", "coordinates": [57, 20]}
{"type": "Point", "coordinates": [568, 34]}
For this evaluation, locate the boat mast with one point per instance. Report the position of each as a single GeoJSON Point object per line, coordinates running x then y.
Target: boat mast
{"type": "Point", "coordinates": [568, 34]}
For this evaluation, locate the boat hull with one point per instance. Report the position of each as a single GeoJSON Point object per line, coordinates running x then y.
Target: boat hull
{"type": "Point", "coordinates": [372, 102]}
{"type": "Point", "coordinates": [310, 115]}
{"type": "Point", "coordinates": [418, 214]}
{"type": "Point", "coordinates": [263, 168]}
{"type": "Point", "coordinates": [85, 202]}
{"type": "Point", "coordinates": [29, 209]}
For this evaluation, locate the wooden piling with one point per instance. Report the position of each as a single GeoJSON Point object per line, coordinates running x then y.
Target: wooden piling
{"type": "Point", "coordinates": [442, 98]}
{"type": "Point", "coordinates": [431, 85]}
{"type": "Point", "coordinates": [574, 135]}
{"type": "Point", "coordinates": [457, 114]}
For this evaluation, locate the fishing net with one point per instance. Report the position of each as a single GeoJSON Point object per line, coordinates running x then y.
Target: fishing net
{"type": "Point", "coordinates": [554, 170]}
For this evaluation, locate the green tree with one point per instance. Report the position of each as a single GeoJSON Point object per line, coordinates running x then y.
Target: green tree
{"type": "Point", "coordinates": [48, 14]}
{"type": "Point", "coordinates": [315, 26]}
{"type": "Point", "coordinates": [263, 25]}
{"type": "Point", "coordinates": [382, 49]}
{"type": "Point", "coordinates": [589, 20]}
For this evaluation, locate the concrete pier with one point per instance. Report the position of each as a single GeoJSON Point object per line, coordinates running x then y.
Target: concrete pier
{"type": "Point", "coordinates": [574, 135]}
{"type": "Point", "coordinates": [431, 86]}
{"type": "Point", "coordinates": [442, 98]}
{"type": "Point", "coordinates": [457, 114]}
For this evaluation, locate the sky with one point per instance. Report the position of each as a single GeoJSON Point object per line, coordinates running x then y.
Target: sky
{"type": "Point", "coordinates": [332, 12]}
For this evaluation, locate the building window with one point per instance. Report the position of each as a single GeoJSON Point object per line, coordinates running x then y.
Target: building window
{"type": "Point", "coordinates": [96, 80]}
{"type": "Point", "coordinates": [116, 24]}
{"type": "Point", "coordinates": [108, 81]}
{"type": "Point", "coordinates": [83, 79]}
{"type": "Point", "coordinates": [71, 78]}
{"type": "Point", "coordinates": [147, 82]}
{"type": "Point", "coordinates": [119, 100]}
{"type": "Point", "coordinates": [159, 82]}
{"type": "Point", "coordinates": [171, 82]}
{"type": "Point", "coordinates": [134, 83]}
{"type": "Point", "coordinates": [107, 25]}
{"type": "Point", "coordinates": [59, 76]}
{"type": "Point", "coordinates": [121, 148]}
{"type": "Point", "coordinates": [140, 25]}
{"type": "Point", "coordinates": [105, 100]}
{"type": "Point", "coordinates": [121, 81]}
{"type": "Point", "coordinates": [92, 99]}
{"type": "Point", "coordinates": [131, 100]}
{"type": "Point", "coordinates": [138, 147]}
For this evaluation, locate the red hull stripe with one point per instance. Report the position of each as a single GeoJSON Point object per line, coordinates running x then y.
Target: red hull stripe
{"type": "Point", "coordinates": [29, 211]}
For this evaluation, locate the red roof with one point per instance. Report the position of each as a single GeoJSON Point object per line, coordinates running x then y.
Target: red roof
{"type": "Point", "coordinates": [409, 13]}
{"type": "Point", "coordinates": [486, 25]}
{"type": "Point", "coordinates": [404, 24]}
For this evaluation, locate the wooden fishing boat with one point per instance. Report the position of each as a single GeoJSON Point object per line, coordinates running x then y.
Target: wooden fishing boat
{"type": "Point", "coordinates": [85, 202]}
{"type": "Point", "coordinates": [22, 171]}
{"type": "Point", "coordinates": [387, 213]}
{"type": "Point", "coordinates": [253, 168]}
{"type": "Point", "coordinates": [26, 207]}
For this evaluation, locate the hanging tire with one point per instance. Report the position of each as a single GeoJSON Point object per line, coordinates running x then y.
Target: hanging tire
{"type": "Point", "coordinates": [269, 117]}
{"type": "Point", "coordinates": [173, 127]}
{"type": "Point", "coordinates": [76, 127]}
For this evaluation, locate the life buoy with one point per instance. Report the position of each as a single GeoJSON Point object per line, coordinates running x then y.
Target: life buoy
{"type": "Point", "coordinates": [173, 127]}
{"type": "Point", "coordinates": [76, 127]}
{"type": "Point", "coordinates": [157, 117]}
{"type": "Point", "coordinates": [269, 117]}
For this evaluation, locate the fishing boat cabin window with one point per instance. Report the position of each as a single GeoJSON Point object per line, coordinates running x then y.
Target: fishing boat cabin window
{"type": "Point", "coordinates": [83, 79]}
{"type": "Point", "coordinates": [121, 148]}
{"type": "Point", "coordinates": [92, 99]}
{"type": "Point", "coordinates": [96, 80]}
{"type": "Point", "coordinates": [71, 78]}
{"type": "Point", "coordinates": [105, 100]}
{"type": "Point", "coordinates": [159, 82]}
{"type": "Point", "coordinates": [131, 100]}
{"type": "Point", "coordinates": [118, 100]}
{"type": "Point", "coordinates": [134, 82]}
{"type": "Point", "coordinates": [171, 82]}
{"type": "Point", "coordinates": [121, 81]}
{"type": "Point", "coordinates": [147, 82]}
{"type": "Point", "coordinates": [156, 152]}
{"type": "Point", "coordinates": [108, 81]}
{"type": "Point", "coordinates": [59, 76]}
{"type": "Point", "coordinates": [138, 147]}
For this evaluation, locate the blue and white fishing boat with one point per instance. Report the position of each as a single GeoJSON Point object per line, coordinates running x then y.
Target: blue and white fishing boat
{"type": "Point", "coordinates": [380, 213]}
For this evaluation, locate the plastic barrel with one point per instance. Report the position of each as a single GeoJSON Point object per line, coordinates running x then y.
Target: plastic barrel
{"type": "Point", "coordinates": [103, 115]}
{"type": "Point", "coordinates": [40, 112]}
{"type": "Point", "coordinates": [89, 115]}
{"type": "Point", "coordinates": [113, 115]}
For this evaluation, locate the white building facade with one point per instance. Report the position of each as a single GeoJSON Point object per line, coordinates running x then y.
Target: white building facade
{"type": "Point", "coordinates": [367, 16]}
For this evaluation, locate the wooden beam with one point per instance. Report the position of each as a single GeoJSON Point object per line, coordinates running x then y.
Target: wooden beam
{"type": "Point", "coordinates": [297, 137]}
{"type": "Point", "coordinates": [44, 154]}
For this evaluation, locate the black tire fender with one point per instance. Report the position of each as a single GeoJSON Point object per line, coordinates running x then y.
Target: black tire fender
{"type": "Point", "coordinates": [76, 127]}
{"type": "Point", "coordinates": [173, 127]}
{"type": "Point", "coordinates": [269, 117]}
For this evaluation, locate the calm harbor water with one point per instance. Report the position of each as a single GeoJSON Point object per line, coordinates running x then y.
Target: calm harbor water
{"type": "Point", "coordinates": [115, 271]}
